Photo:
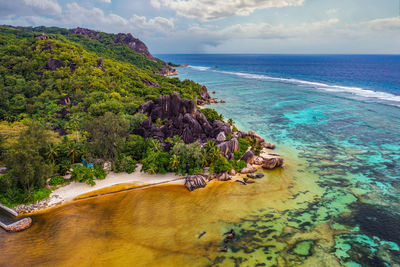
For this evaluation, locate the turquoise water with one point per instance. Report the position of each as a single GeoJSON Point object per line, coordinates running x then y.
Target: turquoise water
{"type": "Point", "coordinates": [350, 142]}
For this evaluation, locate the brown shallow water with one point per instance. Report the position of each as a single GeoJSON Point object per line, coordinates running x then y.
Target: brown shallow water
{"type": "Point", "coordinates": [159, 226]}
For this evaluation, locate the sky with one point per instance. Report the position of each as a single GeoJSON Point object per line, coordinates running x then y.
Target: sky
{"type": "Point", "coordinates": [227, 26]}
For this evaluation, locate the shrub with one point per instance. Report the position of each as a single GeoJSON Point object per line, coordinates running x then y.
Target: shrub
{"type": "Point", "coordinates": [124, 164]}
{"type": "Point", "coordinates": [156, 162]}
{"type": "Point", "coordinates": [220, 165]}
{"type": "Point", "coordinates": [238, 165]}
{"type": "Point", "coordinates": [57, 180]}
{"type": "Point", "coordinates": [243, 146]}
{"type": "Point", "coordinates": [212, 115]}
{"type": "Point", "coordinates": [190, 157]}
{"type": "Point", "coordinates": [41, 194]}
{"type": "Point", "coordinates": [83, 174]}
{"type": "Point", "coordinates": [100, 173]}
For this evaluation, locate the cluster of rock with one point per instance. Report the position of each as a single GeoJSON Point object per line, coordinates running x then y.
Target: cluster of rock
{"type": "Point", "coordinates": [18, 226]}
{"type": "Point", "coordinates": [40, 205]}
{"type": "Point", "coordinates": [181, 118]}
{"type": "Point", "coordinates": [86, 32]}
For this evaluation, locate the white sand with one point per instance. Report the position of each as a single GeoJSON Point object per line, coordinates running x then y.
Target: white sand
{"type": "Point", "coordinates": [74, 189]}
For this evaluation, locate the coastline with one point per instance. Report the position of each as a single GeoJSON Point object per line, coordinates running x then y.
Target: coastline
{"type": "Point", "coordinates": [75, 191]}
{"type": "Point", "coordinates": [68, 193]}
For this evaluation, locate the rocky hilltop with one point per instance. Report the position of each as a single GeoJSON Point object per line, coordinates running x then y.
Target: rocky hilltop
{"type": "Point", "coordinates": [133, 43]}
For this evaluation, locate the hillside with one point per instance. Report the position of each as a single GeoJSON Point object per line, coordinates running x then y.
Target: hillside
{"type": "Point", "coordinates": [79, 102]}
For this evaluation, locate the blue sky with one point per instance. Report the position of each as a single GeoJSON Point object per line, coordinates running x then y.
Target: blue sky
{"type": "Point", "coordinates": [227, 26]}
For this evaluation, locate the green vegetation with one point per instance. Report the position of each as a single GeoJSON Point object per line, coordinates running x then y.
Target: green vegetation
{"type": "Point", "coordinates": [57, 180]}
{"type": "Point", "coordinates": [212, 115]}
{"type": "Point", "coordinates": [53, 119]}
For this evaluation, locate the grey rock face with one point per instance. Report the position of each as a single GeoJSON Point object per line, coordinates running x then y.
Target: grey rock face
{"type": "Point", "coordinates": [194, 182]}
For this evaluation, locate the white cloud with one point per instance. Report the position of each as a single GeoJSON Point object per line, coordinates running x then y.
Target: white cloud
{"type": "Point", "coordinates": [105, 1]}
{"type": "Point", "coordinates": [215, 9]}
{"type": "Point", "coordinates": [392, 24]}
{"type": "Point", "coordinates": [49, 5]}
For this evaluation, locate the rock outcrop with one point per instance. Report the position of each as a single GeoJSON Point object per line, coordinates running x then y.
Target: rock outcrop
{"type": "Point", "coordinates": [86, 32]}
{"type": "Point", "coordinates": [205, 98]}
{"type": "Point", "coordinates": [194, 182]}
{"type": "Point", "coordinates": [134, 44]}
{"type": "Point", "coordinates": [272, 163]}
{"type": "Point", "coordinates": [228, 148]}
{"type": "Point", "coordinates": [248, 157]}
{"type": "Point", "coordinates": [181, 118]}
{"type": "Point", "coordinates": [53, 64]}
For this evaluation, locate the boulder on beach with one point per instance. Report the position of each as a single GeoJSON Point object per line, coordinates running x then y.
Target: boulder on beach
{"type": "Point", "coordinates": [272, 163]}
{"type": "Point", "coordinates": [194, 182]}
{"type": "Point", "coordinates": [248, 157]}
{"type": "Point", "coordinates": [248, 169]}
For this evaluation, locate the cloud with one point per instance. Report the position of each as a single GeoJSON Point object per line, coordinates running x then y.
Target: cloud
{"type": "Point", "coordinates": [215, 9]}
{"type": "Point", "coordinates": [29, 8]}
{"type": "Point", "coordinates": [49, 5]}
{"type": "Point", "coordinates": [105, 1]}
{"type": "Point", "coordinates": [391, 24]}
{"type": "Point", "coordinates": [262, 31]}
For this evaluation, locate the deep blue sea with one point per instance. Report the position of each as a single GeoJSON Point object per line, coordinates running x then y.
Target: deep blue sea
{"type": "Point", "coordinates": [339, 116]}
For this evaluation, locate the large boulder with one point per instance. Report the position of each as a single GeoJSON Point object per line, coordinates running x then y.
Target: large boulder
{"type": "Point", "coordinates": [272, 163]}
{"type": "Point", "coordinates": [227, 148]}
{"type": "Point", "coordinates": [249, 169]}
{"type": "Point", "coordinates": [268, 145]}
{"type": "Point", "coordinates": [248, 157]}
{"type": "Point", "coordinates": [194, 182]}
{"type": "Point", "coordinates": [53, 64]}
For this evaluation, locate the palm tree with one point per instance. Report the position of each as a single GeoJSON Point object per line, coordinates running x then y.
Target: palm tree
{"type": "Point", "coordinates": [174, 162]}
{"type": "Point", "coordinates": [75, 121]}
{"type": "Point", "coordinates": [73, 152]}
{"type": "Point", "coordinates": [152, 170]}
{"type": "Point", "coordinates": [52, 152]}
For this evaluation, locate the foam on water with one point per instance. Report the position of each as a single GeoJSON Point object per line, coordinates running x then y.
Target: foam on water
{"type": "Point", "coordinates": [361, 92]}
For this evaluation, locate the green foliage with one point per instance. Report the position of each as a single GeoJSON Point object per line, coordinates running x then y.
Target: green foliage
{"type": "Point", "coordinates": [124, 164]}
{"type": "Point", "coordinates": [189, 157]}
{"type": "Point", "coordinates": [107, 135]}
{"type": "Point", "coordinates": [212, 115]}
{"type": "Point", "coordinates": [136, 120]}
{"type": "Point", "coordinates": [57, 180]}
{"type": "Point", "coordinates": [156, 162]}
{"type": "Point", "coordinates": [41, 194]}
{"type": "Point", "coordinates": [100, 173]}
{"type": "Point", "coordinates": [83, 174]}
{"type": "Point", "coordinates": [27, 161]}
{"type": "Point", "coordinates": [243, 145]}
{"type": "Point", "coordinates": [220, 165]}
{"type": "Point", "coordinates": [238, 165]}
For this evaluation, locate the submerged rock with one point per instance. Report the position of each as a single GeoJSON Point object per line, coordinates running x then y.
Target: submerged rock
{"type": "Point", "coordinates": [194, 182]}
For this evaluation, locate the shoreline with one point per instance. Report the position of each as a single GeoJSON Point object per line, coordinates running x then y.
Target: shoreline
{"type": "Point", "coordinates": [76, 191]}
{"type": "Point", "coordinates": [72, 191]}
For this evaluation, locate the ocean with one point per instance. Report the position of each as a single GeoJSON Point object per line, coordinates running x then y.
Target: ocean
{"type": "Point", "coordinates": [336, 202]}
{"type": "Point", "coordinates": [341, 115]}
